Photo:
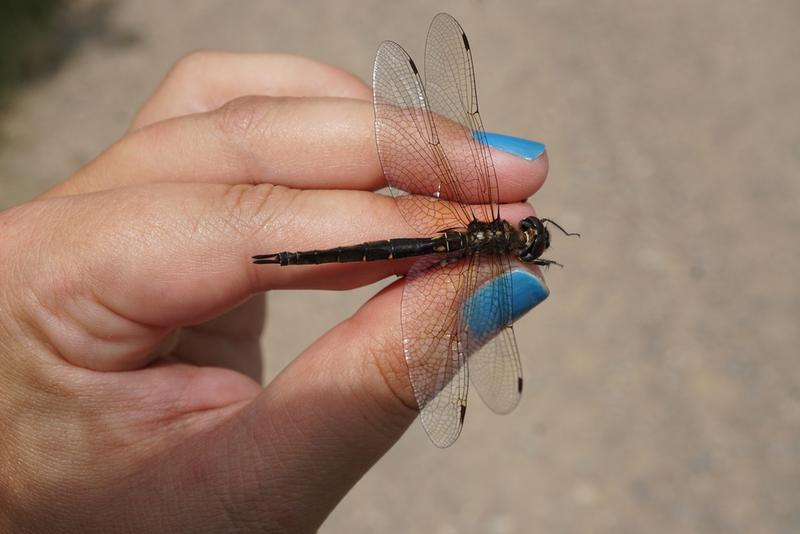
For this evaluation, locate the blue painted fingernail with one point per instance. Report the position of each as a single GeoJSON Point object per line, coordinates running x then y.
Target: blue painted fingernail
{"type": "Point", "coordinates": [524, 148]}
{"type": "Point", "coordinates": [483, 311]}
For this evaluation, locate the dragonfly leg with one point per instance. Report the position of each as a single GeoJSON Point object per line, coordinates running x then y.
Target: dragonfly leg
{"type": "Point", "coordinates": [546, 263]}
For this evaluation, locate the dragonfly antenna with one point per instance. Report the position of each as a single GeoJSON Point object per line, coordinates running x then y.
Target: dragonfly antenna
{"type": "Point", "coordinates": [551, 221]}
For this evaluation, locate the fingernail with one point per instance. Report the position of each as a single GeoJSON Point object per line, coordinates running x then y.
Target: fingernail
{"type": "Point", "coordinates": [524, 148]}
{"type": "Point", "coordinates": [483, 315]}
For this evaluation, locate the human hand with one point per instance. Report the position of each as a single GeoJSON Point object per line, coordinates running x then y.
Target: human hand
{"type": "Point", "coordinates": [130, 313]}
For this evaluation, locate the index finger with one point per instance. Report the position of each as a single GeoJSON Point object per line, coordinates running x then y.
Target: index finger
{"type": "Point", "coordinates": [303, 143]}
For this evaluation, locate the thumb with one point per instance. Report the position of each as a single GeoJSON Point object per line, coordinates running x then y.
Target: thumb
{"type": "Point", "coordinates": [336, 409]}
{"type": "Point", "coordinates": [318, 427]}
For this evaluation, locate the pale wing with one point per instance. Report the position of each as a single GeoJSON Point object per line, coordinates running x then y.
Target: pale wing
{"type": "Point", "coordinates": [452, 93]}
{"type": "Point", "coordinates": [409, 149]}
{"type": "Point", "coordinates": [434, 349]}
{"type": "Point", "coordinates": [494, 364]}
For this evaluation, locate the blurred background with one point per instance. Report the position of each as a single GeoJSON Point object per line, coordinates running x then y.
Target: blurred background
{"type": "Point", "coordinates": [663, 374]}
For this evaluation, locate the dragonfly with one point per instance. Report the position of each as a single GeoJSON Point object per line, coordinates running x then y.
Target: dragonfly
{"type": "Point", "coordinates": [435, 158]}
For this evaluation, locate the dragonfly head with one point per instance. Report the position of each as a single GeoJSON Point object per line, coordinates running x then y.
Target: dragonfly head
{"type": "Point", "coordinates": [536, 239]}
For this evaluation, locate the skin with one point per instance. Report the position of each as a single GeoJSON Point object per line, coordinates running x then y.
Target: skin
{"type": "Point", "coordinates": [130, 314]}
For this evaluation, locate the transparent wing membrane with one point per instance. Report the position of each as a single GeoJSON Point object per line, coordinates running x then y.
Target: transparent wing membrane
{"type": "Point", "coordinates": [408, 146]}
{"type": "Point", "coordinates": [452, 93]}
{"type": "Point", "coordinates": [429, 138]}
{"type": "Point", "coordinates": [495, 367]}
{"type": "Point", "coordinates": [434, 348]}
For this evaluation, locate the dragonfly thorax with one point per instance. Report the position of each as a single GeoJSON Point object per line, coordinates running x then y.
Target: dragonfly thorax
{"type": "Point", "coordinates": [536, 239]}
{"type": "Point", "coordinates": [497, 237]}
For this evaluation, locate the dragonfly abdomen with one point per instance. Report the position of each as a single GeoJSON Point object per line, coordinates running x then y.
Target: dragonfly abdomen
{"type": "Point", "coordinates": [387, 249]}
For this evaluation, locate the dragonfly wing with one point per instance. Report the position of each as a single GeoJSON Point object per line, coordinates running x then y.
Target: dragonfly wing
{"type": "Point", "coordinates": [494, 363]}
{"type": "Point", "coordinates": [496, 373]}
{"type": "Point", "coordinates": [431, 144]}
{"type": "Point", "coordinates": [453, 100]}
{"type": "Point", "coordinates": [409, 149]}
{"type": "Point", "coordinates": [433, 344]}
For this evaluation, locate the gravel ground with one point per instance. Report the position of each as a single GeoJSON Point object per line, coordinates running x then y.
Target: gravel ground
{"type": "Point", "coordinates": [663, 373]}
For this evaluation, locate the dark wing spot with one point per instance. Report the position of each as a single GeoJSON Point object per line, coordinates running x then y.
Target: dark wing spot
{"type": "Point", "coordinates": [519, 384]}
{"type": "Point", "coordinates": [463, 412]}
{"type": "Point", "coordinates": [464, 38]}
{"type": "Point", "coordinates": [413, 66]}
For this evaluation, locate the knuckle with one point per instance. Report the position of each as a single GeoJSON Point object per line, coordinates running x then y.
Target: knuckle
{"type": "Point", "coordinates": [246, 115]}
{"type": "Point", "coordinates": [251, 208]}
{"type": "Point", "coordinates": [254, 129]}
{"type": "Point", "coordinates": [246, 125]}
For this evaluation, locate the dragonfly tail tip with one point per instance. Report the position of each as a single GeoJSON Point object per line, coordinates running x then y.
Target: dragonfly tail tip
{"type": "Point", "coordinates": [264, 259]}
